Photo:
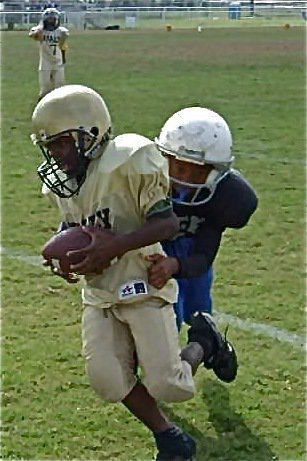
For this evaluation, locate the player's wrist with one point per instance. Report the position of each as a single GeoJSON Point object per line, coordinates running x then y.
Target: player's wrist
{"type": "Point", "coordinates": [175, 265]}
{"type": "Point", "coordinates": [120, 246]}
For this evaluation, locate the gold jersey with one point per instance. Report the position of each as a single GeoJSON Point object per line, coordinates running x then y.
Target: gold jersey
{"type": "Point", "coordinates": [51, 44]}
{"type": "Point", "coordinates": [120, 189]}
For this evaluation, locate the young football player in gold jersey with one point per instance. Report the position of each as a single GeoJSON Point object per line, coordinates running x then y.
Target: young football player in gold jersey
{"type": "Point", "coordinates": [121, 184]}
{"type": "Point", "coordinates": [52, 38]}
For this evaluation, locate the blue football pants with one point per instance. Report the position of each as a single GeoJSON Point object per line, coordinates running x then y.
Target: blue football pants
{"type": "Point", "coordinates": [194, 293]}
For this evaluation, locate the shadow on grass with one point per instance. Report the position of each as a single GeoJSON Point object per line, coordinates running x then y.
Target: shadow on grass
{"type": "Point", "coordinates": [234, 441]}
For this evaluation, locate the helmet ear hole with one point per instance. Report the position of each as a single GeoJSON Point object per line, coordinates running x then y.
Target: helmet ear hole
{"type": "Point", "coordinates": [94, 130]}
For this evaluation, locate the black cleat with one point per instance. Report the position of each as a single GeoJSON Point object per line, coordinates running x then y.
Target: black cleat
{"type": "Point", "coordinates": [219, 353]}
{"type": "Point", "coordinates": [175, 445]}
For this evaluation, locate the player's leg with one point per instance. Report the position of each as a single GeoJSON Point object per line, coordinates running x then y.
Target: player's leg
{"type": "Point", "coordinates": [180, 248]}
{"type": "Point", "coordinates": [166, 376]}
{"type": "Point", "coordinates": [45, 84]}
{"type": "Point", "coordinates": [108, 349]}
{"type": "Point", "coordinates": [196, 295]}
{"type": "Point", "coordinates": [180, 304]}
{"type": "Point", "coordinates": [171, 441]}
{"type": "Point", "coordinates": [167, 371]}
{"type": "Point", "coordinates": [220, 355]}
{"type": "Point", "coordinates": [59, 77]}
{"type": "Point", "coordinates": [175, 445]}
{"type": "Point", "coordinates": [153, 327]}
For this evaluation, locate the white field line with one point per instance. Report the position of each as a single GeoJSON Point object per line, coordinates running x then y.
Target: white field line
{"type": "Point", "coordinates": [247, 324]}
{"type": "Point", "coordinates": [284, 336]}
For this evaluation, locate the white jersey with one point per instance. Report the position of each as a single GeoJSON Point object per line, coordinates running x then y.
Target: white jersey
{"type": "Point", "coordinates": [51, 44]}
{"type": "Point", "coordinates": [121, 187]}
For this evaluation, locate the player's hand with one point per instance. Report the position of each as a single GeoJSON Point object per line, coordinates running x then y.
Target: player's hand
{"type": "Point", "coordinates": [68, 277]}
{"type": "Point", "coordinates": [162, 268]}
{"type": "Point", "coordinates": [38, 34]}
{"type": "Point", "coordinates": [98, 255]}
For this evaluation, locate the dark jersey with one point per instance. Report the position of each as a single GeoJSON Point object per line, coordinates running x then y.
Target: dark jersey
{"type": "Point", "coordinates": [232, 205]}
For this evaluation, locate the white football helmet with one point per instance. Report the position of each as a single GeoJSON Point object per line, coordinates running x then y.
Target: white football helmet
{"type": "Point", "coordinates": [51, 18]}
{"type": "Point", "coordinates": [73, 110]}
{"type": "Point", "coordinates": [201, 136]}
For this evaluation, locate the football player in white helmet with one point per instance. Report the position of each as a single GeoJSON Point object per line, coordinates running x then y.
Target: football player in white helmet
{"type": "Point", "coordinates": [52, 38]}
{"type": "Point", "coordinates": [121, 184]}
{"type": "Point", "coordinates": [208, 197]}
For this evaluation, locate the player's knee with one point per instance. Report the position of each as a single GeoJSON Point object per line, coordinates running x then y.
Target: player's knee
{"type": "Point", "coordinates": [108, 386]}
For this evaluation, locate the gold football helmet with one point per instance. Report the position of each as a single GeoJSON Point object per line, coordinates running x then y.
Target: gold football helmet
{"type": "Point", "coordinates": [77, 112]}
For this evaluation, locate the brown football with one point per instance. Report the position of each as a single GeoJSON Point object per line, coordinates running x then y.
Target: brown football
{"type": "Point", "coordinates": [73, 238]}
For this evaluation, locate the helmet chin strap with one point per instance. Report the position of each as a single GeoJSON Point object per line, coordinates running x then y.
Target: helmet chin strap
{"type": "Point", "coordinates": [212, 177]}
{"type": "Point", "coordinates": [185, 195]}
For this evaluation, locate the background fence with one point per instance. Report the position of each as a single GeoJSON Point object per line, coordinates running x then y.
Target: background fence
{"type": "Point", "coordinates": [79, 16]}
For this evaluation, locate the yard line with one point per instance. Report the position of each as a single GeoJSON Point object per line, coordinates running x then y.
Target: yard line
{"type": "Point", "coordinates": [249, 325]}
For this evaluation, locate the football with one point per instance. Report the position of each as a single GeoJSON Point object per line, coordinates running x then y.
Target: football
{"type": "Point", "coordinates": [73, 238]}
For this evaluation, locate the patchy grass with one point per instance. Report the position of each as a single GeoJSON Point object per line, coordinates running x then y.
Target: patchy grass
{"type": "Point", "coordinates": [255, 78]}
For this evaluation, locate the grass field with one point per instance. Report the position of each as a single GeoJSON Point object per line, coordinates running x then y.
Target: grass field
{"type": "Point", "coordinates": [255, 77]}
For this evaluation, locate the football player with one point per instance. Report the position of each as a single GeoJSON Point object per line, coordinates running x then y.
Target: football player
{"type": "Point", "coordinates": [121, 184]}
{"type": "Point", "coordinates": [208, 197]}
{"type": "Point", "coordinates": [52, 38]}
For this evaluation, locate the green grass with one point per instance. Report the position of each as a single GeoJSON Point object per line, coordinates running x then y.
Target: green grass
{"type": "Point", "coordinates": [255, 77]}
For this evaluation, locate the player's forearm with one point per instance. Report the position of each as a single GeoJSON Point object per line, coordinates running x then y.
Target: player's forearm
{"type": "Point", "coordinates": [154, 230]}
{"type": "Point", "coordinates": [194, 266]}
{"type": "Point", "coordinates": [63, 56]}
{"type": "Point", "coordinates": [206, 244]}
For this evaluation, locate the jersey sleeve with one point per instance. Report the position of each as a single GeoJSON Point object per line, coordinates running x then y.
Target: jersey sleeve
{"type": "Point", "coordinates": [232, 206]}
{"type": "Point", "coordinates": [63, 46]}
{"type": "Point", "coordinates": [235, 202]}
{"type": "Point", "coordinates": [63, 39]}
{"type": "Point", "coordinates": [149, 181]}
{"type": "Point", "coordinates": [36, 33]}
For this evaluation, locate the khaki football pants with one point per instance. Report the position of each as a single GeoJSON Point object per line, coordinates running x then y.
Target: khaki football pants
{"type": "Point", "coordinates": [50, 79]}
{"type": "Point", "coordinates": [110, 337]}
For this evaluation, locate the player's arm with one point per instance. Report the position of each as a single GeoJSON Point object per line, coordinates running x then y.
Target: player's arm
{"type": "Point", "coordinates": [237, 203]}
{"type": "Point", "coordinates": [64, 48]}
{"type": "Point", "coordinates": [233, 208]}
{"type": "Point", "coordinates": [36, 33]}
{"type": "Point", "coordinates": [206, 244]}
{"type": "Point", "coordinates": [63, 44]}
{"type": "Point", "coordinates": [63, 56]}
{"type": "Point", "coordinates": [148, 185]}
{"type": "Point", "coordinates": [207, 241]}
{"type": "Point", "coordinates": [160, 225]}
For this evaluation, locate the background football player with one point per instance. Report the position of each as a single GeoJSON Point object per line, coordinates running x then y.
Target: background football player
{"type": "Point", "coordinates": [121, 184]}
{"type": "Point", "coordinates": [208, 197]}
{"type": "Point", "coordinates": [52, 38]}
